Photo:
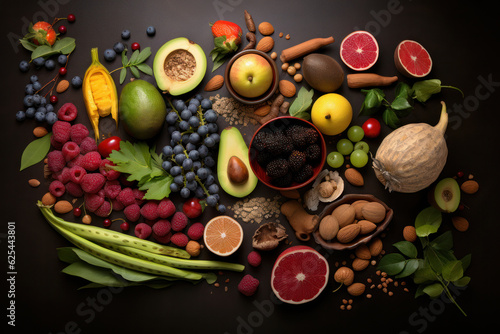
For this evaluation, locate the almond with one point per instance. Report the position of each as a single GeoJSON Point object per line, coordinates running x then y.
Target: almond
{"type": "Point", "coordinates": [470, 187]}
{"type": "Point", "coordinates": [363, 252]}
{"type": "Point", "coordinates": [366, 226]}
{"type": "Point", "coordinates": [48, 199]}
{"type": "Point", "coordinates": [375, 246]}
{"type": "Point", "coordinates": [356, 289]}
{"type": "Point", "coordinates": [62, 86]}
{"type": "Point", "coordinates": [354, 177]}
{"type": "Point", "coordinates": [34, 183]}
{"type": "Point", "coordinates": [460, 223]}
{"type": "Point", "coordinates": [348, 233]}
{"type": "Point", "coordinates": [345, 214]}
{"type": "Point", "coordinates": [262, 111]}
{"type": "Point", "coordinates": [63, 207]}
{"type": "Point", "coordinates": [266, 28]}
{"type": "Point", "coordinates": [357, 207]}
{"type": "Point", "coordinates": [409, 233]}
{"type": "Point", "coordinates": [40, 131]}
{"type": "Point", "coordinates": [328, 227]}
{"type": "Point", "coordinates": [344, 275]}
{"type": "Point", "coordinates": [215, 83]}
{"type": "Point", "coordinates": [287, 88]}
{"type": "Point", "coordinates": [266, 44]}
{"type": "Point", "coordinates": [374, 212]}
{"type": "Point", "coordinates": [359, 264]}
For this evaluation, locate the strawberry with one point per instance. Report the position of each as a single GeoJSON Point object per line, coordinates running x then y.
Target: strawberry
{"type": "Point", "coordinates": [227, 38]}
{"type": "Point", "coordinates": [43, 33]}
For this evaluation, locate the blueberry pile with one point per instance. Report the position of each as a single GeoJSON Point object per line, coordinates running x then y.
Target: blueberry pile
{"type": "Point", "coordinates": [190, 156]}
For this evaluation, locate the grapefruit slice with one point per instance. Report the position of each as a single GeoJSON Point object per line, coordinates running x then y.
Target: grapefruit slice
{"type": "Point", "coordinates": [299, 275]}
{"type": "Point", "coordinates": [359, 50]}
{"type": "Point", "coordinates": [223, 235]}
{"type": "Point", "coordinates": [412, 59]}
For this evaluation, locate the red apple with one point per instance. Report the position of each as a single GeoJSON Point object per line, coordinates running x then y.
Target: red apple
{"type": "Point", "coordinates": [251, 75]}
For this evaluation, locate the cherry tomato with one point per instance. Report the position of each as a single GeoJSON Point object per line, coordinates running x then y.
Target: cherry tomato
{"type": "Point", "coordinates": [108, 145]}
{"type": "Point", "coordinates": [371, 128]}
{"type": "Point", "coordinates": [192, 208]}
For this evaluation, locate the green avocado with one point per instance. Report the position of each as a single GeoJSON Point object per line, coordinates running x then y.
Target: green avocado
{"type": "Point", "coordinates": [142, 109]}
{"type": "Point", "coordinates": [179, 66]}
{"type": "Point", "coordinates": [233, 166]}
{"type": "Point", "coordinates": [446, 195]}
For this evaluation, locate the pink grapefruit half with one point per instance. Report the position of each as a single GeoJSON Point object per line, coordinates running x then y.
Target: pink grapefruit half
{"type": "Point", "coordinates": [299, 275]}
{"type": "Point", "coordinates": [412, 59]}
{"type": "Point", "coordinates": [359, 50]}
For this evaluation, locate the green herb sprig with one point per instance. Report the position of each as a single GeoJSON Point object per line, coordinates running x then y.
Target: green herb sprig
{"type": "Point", "coordinates": [439, 266]}
{"type": "Point", "coordinates": [302, 103]}
{"type": "Point", "coordinates": [402, 104]}
{"type": "Point", "coordinates": [135, 64]}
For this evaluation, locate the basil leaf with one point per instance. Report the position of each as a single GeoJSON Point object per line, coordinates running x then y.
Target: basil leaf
{"type": "Point", "coordinates": [390, 118]}
{"type": "Point", "coordinates": [35, 151]}
{"type": "Point", "coordinates": [423, 90]}
{"type": "Point", "coordinates": [428, 221]}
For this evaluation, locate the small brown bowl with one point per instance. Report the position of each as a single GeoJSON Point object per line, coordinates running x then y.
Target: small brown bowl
{"type": "Point", "coordinates": [259, 99]}
{"type": "Point", "coordinates": [280, 123]}
{"type": "Point", "coordinates": [361, 239]}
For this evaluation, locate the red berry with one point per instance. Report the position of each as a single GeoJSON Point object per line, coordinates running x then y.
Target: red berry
{"type": "Point", "coordinates": [53, 99]}
{"type": "Point", "coordinates": [62, 29]}
{"type": "Point", "coordinates": [192, 208]}
{"type": "Point", "coordinates": [63, 71]}
{"type": "Point", "coordinates": [124, 226]}
{"type": "Point", "coordinates": [71, 18]}
{"type": "Point", "coordinates": [135, 46]}
{"type": "Point", "coordinates": [460, 174]}
{"type": "Point", "coordinates": [77, 212]}
{"type": "Point", "coordinates": [107, 222]}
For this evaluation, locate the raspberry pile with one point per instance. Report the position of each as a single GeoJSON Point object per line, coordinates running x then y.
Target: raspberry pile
{"type": "Point", "coordinates": [77, 169]}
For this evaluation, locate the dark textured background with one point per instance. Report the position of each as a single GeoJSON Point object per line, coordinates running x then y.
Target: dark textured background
{"type": "Point", "coordinates": [462, 38]}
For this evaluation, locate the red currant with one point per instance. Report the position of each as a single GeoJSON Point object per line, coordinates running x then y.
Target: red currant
{"type": "Point", "coordinates": [135, 46]}
{"type": "Point", "coordinates": [460, 174]}
{"type": "Point", "coordinates": [107, 222]}
{"type": "Point", "coordinates": [71, 18]}
{"type": "Point", "coordinates": [53, 99]}
{"type": "Point", "coordinates": [124, 226]}
{"type": "Point", "coordinates": [62, 30]}
{"type": "Point", "coordinates": [63, 71]}
{"type": "Point", "coordinates": [77, 212]}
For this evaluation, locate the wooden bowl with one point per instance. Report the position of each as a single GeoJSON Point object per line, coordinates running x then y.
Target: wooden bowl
{"type": "Point", "coordinates": [360, 239]}
{"type": "Point", "coordinates": [259, 99]}
{"type": "Point", "coordinates": [280, 123]}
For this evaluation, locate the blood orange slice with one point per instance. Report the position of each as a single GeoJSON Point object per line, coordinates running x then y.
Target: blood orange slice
{"type": "Point", "coordinates": [299, 275]}
{"type": "Point", "coordinates": [359, 50]}
{"type": "Point", "coordinates": [412, 59]}
{"type": "Point", "coordinates": [223, 235]}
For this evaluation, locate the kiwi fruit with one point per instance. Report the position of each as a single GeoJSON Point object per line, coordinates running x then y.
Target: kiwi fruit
{"type": "Point", "coordinates": [322, 72]}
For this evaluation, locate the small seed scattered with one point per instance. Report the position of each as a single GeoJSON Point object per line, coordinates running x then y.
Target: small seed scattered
{"type": "Point", "coordinates": [285, 66]}
{"type": "Point", "coordinates": [297, 77]}
{"type": "Point", "coordinates": [291, 70]}
{"type": "Point", "coordinates": [280, 34]}
{"type": "Point", "coordinates": [297, 66]}
{"type": "Point", "coordinates": [287, 36]}
{"type": "Point", "coordinates": [274, 55]}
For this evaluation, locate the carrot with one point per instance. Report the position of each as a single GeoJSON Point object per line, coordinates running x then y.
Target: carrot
{"type": "Point", "coordinates": [304, 48]}
{"type": "Point", "coordinates": [360, 80]}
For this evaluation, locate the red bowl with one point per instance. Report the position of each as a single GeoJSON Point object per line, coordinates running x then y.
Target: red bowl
{"type": "Point", "coordinates": [277, 123]}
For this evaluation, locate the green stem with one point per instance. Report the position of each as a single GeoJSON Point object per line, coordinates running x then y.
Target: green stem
{"type": "Point", "coordinates": [455, 89]}
{"type": "Point", "coordinates": [448, 293]}
{"type": "Point", "coordinates": [116, 69]}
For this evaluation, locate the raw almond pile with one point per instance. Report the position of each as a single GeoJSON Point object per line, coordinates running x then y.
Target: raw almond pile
{"type": "Point", "coordinates": [348, 221]}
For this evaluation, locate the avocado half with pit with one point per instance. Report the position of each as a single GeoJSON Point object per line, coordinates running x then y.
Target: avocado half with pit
{"type": "Point", "coordinates": [179, 66]}
{"type": "Point", "coordinates": [233, 166]}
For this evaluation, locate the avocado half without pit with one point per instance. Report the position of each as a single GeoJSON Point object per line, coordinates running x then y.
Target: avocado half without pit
{"type": "Point", "coordinates": [233, 165]}
{"type": "Point", "coordinates": [179, 66]}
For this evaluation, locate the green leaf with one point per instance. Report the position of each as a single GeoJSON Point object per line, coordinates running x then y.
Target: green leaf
{"type": "Point", "coordinates": [143, 55]}
{"type": "Point", "coordinates": [424, 273]}
{"type": "Point", "coordinates": [124, 58]}
{"type": "Point", "coordinates": [401, 103]}
{"type": "Point", "coordinates": [145, 68]}
{"type": "Point", "coordinates": [35, 151]}
{"type": "Point", "coordinates": [302, 103]}
{"type": "Point", "coordinates": [403, 90]}
{"type": "Point", "coordinates": [135, 72]}
{"type": "Point", "coordinates": [304, 115]}
{"type": "Point", "coordinates": [123, 75]}
{"type": "Point", "coordinates": [428, 221]}
{"type": "Point", "coordinates": [390, 118]}
{"type": "Point", "coordinates": [407, 248]}
{"type": "Point", "coordinates": [443, 242]}
{"type": "Point", "coordinates": [453, 271]}
{"type": "Point", "coordinates": [134, 57]}
{"type": "Point", "coordinates": [423, 90]}
{"type": "Point", "coordinates": [28, 45]}
{"type": "Point", "coordinates": [410, 267]}
{"type": "Point", "coordinates": [65, 46]}
{"type": "Point", "coordinates": [437, 259]}
{"type": "Point", "coordinates": [392, 263]}
{"type": "Point", "coordinates": [466, 261]}
{"type": "Point", "coordinates": [464, 281]}
{"type": "Point", "coordinates": [372, 102]}
{"type": "Point", "coordinates": [433, 290]}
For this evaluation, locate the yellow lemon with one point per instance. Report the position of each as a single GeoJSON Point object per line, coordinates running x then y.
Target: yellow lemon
{"type": "Point", "coordinates": [331, 113]}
